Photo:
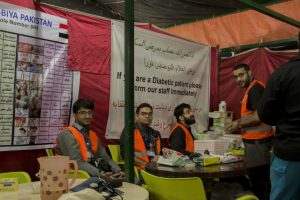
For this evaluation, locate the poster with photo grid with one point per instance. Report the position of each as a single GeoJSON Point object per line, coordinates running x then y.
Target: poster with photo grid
{"type": "Point", "coordinates": [35, 84]}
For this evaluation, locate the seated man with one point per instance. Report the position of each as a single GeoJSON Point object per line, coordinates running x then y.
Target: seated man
{"type": "Point", "coordinates": [83, 145]}
{"type": "Point", "coordinates": [181, 138]}
{"type": "Point", "coordinates": [147, 141]}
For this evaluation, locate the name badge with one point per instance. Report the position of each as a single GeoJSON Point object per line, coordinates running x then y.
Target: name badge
{"type": "Point", "coordinates": [151, 153]}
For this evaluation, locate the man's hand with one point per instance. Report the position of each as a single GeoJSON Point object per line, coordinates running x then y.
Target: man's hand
{"type": "Point", "coordinates": [118, 175]}
{"type": "Point", "coordinates": [105, 175]}
{"type": "Point", "coordinates": [155, 159]}
{"type": "Point", "coordinates": [233, 126]}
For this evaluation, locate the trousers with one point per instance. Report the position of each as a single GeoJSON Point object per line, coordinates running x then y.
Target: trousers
{"type": "Point", "coordinates": [284, 177]}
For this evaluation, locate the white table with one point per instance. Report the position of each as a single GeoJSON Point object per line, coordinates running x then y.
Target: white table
{"type": "Point", "coordinates": [25, 192]}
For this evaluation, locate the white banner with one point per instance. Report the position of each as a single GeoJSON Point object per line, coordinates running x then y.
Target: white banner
{"type": "Point", "coordinates": [168, 71]}
{"type": "Point", "coordinates": [17, 19]}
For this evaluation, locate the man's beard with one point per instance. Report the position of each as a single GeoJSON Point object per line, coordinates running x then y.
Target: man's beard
{"type": "Point", "coordinates": [190, 121]}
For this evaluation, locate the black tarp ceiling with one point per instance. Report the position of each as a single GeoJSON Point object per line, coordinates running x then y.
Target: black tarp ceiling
{"type": "Point", "coordinates": [163, 13]}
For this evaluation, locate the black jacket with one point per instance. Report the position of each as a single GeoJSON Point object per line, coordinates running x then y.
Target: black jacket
{"type": "Point", "coordinates": [280, 107]}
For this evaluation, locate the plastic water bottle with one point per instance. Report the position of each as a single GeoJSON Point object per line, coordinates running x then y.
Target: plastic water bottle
{"type": "Point", "coordinates": [222, 106]}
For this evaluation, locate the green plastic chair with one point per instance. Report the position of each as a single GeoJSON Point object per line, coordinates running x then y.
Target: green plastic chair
{"type": "Point", "coordinates": [161, 188]}
{"type": "Point", "coordinates": [23, 177]}
{"type": "Point", "coordinates": [49, 152]}
{"type": "Point", "coordinates": [115, 153]}
{"type": "Point", "coordinates": [81, 174]}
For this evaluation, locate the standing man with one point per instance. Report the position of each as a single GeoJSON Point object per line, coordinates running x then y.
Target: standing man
{"type": "Point", "coordinates": [257, 136]}
{"type": "Point", "coordinates": [280, 107]}
{"type": "Point", "coordinates": [181, 138]}
{"type": "Point", "coordinates": [147, 141]}
{"type": "Point", "coordinates": [82, 144]}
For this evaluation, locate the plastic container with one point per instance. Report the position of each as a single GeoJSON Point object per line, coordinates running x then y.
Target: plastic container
{"type": "Point", "coordinates": [222, 106]}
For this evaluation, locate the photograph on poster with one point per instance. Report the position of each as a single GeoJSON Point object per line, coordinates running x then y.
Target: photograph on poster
{"type": "Point", "coordinates": [22, 85]}
{"type": "Point", "coordinates": [24, 57]}
{"type": "Point", "coordinates": [25, 48]}
{"type": "Point", "coordinates": [38, 50]}
{"type": "Point", "coordinates": [21, 112]}
{"type": "Point", "coordinates": [36, 77]}
{"type": "Point", "coordinates": [22, 75]}
{"type": "Point", "coordinates": [20, 121]}
{"type": "Point", "coordinates": [23, 66]}
{"type": "Point", "coordinates": [32, 130]}
{"type": "Point", "coordinates": [21, 131]}
{"type": "Point", "coordinates": [35, 107]}
{"type": "Point", "coordinates": [33, 121]}
{"type": "Point", "coordinates": [20, 140]}
{"type": "Point", "coordinates": [35, 85]}
{"type": "Point", "coordinates": [33, 139]}
{"type": "Point", "coordinates": [36, 68]}
{"type": "Point", "coordinates": [36, 59]}
{"type": "Point", "coordinates": [22, 98]}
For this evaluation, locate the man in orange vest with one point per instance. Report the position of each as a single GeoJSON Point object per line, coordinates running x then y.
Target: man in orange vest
{"type": "Point", "coordinates": [82, 144]}
{"type": "Point", "coordinates": [181, 138]}
{"type": "Point", "coordinates": [257, 136]}
{"type": "Point", "coordinates": [147, 141]}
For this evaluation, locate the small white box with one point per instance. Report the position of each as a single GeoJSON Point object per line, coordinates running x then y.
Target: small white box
{"type": "Point", "coordinates": [217, 147]}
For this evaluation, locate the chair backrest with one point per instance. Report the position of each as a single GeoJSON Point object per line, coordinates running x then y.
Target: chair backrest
{"type": "Point", "coordinates": [80, 174]}
{"type": "Point", "coordinates": [161, 188]}
{"type": "Point", "coordinates": [116, 153]}
{"type": "Point", "coordinates": [49, 152]}
{"type": "Point", "coordinates": [23, 177]}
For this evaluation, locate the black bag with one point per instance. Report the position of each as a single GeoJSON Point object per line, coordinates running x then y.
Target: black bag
{"type": "Point", "coordinates": [102, 165]}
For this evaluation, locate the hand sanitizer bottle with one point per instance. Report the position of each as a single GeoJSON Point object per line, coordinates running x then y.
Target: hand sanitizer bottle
{"type": "Point", "coordinates": [222, 106]}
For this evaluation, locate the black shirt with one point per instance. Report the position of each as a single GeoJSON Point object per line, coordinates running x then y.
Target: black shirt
{"type": "Point", "coordinates": [177, 140]}
{"type": "Point", "coordinates": [254, 96]}
{"type": "Point", "coordinates": [280, 107]}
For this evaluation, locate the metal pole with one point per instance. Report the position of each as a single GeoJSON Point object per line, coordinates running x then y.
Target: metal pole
{"type": "Point", "coordinates": [129, 90]}
{"type": "Point", "coordinates": [270, 13]}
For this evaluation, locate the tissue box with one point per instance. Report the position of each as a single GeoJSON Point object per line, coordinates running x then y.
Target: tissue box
{"type": "Point", "coordinates": [217, 147]}
{"type": "Point", "coordinates": [8, 184]}
{"type": "Point", "coordinates": [210, 161]}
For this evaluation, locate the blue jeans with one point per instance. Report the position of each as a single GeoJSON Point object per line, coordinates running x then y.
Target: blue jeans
{"type": "Point", "coordinates": [284, 179]}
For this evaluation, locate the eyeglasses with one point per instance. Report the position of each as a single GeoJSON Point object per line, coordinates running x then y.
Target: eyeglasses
{"type": "Point", "coordinates": [239, 75]}
{"type": "Point", "coordinates": [85, 113]}
{"type": "Point", "coordinates": [145, 114]}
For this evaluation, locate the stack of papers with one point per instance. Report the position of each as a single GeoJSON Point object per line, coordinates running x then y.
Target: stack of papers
{"type": "Point", "coordinates": [230, 158]}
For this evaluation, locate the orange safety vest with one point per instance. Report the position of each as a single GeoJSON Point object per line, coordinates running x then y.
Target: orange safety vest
{"type": "Point", "coordinates": [259, 131]}
{"type": "Point", "coordinates": [81, 142]}
{"type": "Point", "coordinates": [189, 141]}
{"type": "Point", "coordinates": [140, 153]}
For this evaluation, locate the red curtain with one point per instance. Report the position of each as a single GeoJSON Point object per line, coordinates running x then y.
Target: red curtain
{"type": "Point", "coordinates": [262, 63]}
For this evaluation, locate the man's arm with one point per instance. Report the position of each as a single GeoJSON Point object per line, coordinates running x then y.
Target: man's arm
{"type": "Point", "coordinates": [269, 105]}
{"type": "Point", "coordinates": [103, 154]}
{"type": "Point", "coordinates": [68, 146]}
{"type": "Point", "coordinates": [122, 143]}
{"type": "Point", "coordinates": [254, 97]}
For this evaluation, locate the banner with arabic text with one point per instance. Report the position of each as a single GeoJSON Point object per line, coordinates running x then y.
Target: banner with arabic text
{"type": "Point", "coordinates": [168, 71]}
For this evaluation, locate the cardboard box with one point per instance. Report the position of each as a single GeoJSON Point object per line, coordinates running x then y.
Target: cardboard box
{"type": "Point", "coordinates": [217, 147]}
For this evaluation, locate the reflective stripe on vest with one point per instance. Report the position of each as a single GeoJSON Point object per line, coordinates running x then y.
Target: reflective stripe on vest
{"type": "Point", "coordinates": [81, 142]}
{"type": "Point", "coordinates": [189, 141]}
{"type": "Point", "coordinates": [140, 153]}
{"type": "Point", "coordinates": [259, 131]}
